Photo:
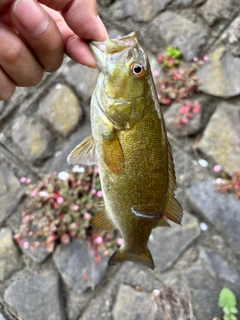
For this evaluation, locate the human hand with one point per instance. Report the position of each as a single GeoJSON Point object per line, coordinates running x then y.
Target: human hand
{"type": "Point", "coordinates": [34, 37]}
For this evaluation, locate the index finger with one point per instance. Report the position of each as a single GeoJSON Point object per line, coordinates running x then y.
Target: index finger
{"type": "Point", "coordinates": [81, 16]}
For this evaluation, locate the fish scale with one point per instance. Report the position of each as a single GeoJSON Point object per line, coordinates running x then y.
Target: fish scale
{"type": "Point", "coordinates": [130, 146]}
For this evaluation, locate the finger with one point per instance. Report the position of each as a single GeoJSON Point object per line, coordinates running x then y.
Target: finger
{"type": "Point", "coordinates": [75, 47]}
{"type": "Point", "coordinates": [17, 60]}
{"type": "Point", "coordinates": [40, 33]}
{"type": "Point", "coordinates": [81, 16]}
{"type": "Point", "coordinates": [7, 86]}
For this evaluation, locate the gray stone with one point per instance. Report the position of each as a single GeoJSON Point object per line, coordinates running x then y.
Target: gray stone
{"type": "Point", "coordinates": [83, 79]}
{"type": "Point", "coordinates": [139, 11]}
{"type": "Point", "coordinates": [77, 267]}
{"type": "Point", "coordinates": [222, 146]}
{"type": "Point", "coordinates": [35, 140]}
{"type": "Point", "coordinates": [167, 244]}
{"type": "Point", "coordinates": [60, 110]}
{"type": "Point", "coordinates": [37, 297]}
{"type": "Point", "coordinates": [222, 211]}
{"type": "Point", "coordinates": [220, 75]}
{"type": "Point", "coordinates": [38, 254]}
{"type": "Point", "coordinates": [1, 106]}
{"type": "Point", "coordinates": [172, 29]}
{"type": "Point", "coordinates": [2, 317]}
{"type": "Point", "coordinates": [10, 260]}
{"type": "Point", "coordinates": [188, 3]}
{"type": "Point", "coordinates": [206, 279]}
{"type": "Point", "coordinates": [194, 124]}
{"type": "Point", "coordinates": [10, 193]}
{"type": "Point", "coordinates": [132, 304]}
{"type": "Point", "coordinates": [231, 37]}
{"type": "Point", "coordinates": [218, 11]}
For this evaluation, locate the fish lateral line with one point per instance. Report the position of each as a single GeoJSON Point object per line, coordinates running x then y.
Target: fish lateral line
{"type": "Point", "coordinates": [142, 215]}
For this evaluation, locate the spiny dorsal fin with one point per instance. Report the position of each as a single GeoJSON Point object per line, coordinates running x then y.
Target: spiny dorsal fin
{"type": "Point", "coordinates": [172, 209]}
{"type": "Point", "coordinates": [113, 155]}
{"type": "Point", "coordinates": [84, 153]}
{"type": "Point", "coordinates": [102, 221]}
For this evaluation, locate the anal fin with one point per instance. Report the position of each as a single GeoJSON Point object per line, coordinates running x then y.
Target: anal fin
{"type": "Point", "coordinates": [102, 221]}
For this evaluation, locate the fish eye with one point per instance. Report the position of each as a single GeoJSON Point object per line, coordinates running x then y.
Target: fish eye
{"type": "Point", "coordinates": [137, 69]}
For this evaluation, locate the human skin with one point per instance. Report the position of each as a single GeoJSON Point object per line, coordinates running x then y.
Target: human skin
{"type": "Point", "coordinates": [34, 35]}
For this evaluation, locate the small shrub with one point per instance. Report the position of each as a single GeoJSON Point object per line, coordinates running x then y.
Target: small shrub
{"type": "Point", "coordinates": [227, 301]}
{"type": "Point", "coordinates": [60, 207]}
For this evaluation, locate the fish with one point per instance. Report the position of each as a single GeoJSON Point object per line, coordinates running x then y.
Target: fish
{"type": "Point", "coordinates": [129, 144]}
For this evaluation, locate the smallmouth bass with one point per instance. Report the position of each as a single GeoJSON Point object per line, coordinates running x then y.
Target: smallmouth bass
{"type": "Point", "coordinates": [130, 146]}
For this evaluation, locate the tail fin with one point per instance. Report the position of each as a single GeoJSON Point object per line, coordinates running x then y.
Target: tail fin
{"type": "Point", "coordinates": [121, 255]}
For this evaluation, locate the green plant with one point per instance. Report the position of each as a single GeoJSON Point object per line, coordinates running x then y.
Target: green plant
{"type": "Point", "coordinates": [60, 207]}
{"type": "Point", "coordinates": [227, 301]}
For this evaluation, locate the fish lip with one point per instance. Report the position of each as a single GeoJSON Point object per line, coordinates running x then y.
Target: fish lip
{"type": "Point", "coordinates": [112, 50]}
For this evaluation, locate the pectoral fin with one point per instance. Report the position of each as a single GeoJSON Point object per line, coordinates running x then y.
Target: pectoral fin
{"type": "Point", "coordinates": [163, 223]}
{"type": "Point", "coordinates": [102, 221]}
{"type": "Point", "coordinates": [113, 154]}
{"type": "Point", "coordinates": [84, 153]}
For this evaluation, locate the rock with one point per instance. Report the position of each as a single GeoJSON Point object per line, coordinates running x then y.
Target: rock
{"type": "Point", "coordinates": [218, 11]}
{"type": "Point", "coordinates": [60, 161]}
{"type": "Point", "coordinates": [132, 304]}
{"type": "Point", "coordinates": [1, 107]}
{"type": "Point", "coordinates": [60, 110]}
{"type": "Point", "coordinates": [83, 79]}
{"type": "Point", "coordinates": [188, 3]}
{"type": "Point", "coordinates": [2, 317]}
{"type": "Point", "coordinates": [77, 267]}
{"type": "Point", "coordinates": [10, 260]}
{"type": "Point", "coordinates": [231, 37]}
{"type": "Point", "coordinates": [167, 244]}
{"type": "Point", "coordinates": [195, 124]}
{"type": "Point", "coordinates": [35, 140]}
{"type": "Point", "coordinates": [222, 211]}
{"type": "Point", "coordinates": [206, 279]}
{"type": "Point", "coordinates": [38, 254]}
{"type": "Point", "coordinates": [10, 193]}
{"type": "Point", "coordinates": [139, 11]}
{"type": "Point", "coordinates": [172, 29]}
{"type": "Point", "coordinates": [220, 75]}
{"type": "Point", "coordinates": [222, 146]}
{"type": "Point", "coordinates": [37, 297]}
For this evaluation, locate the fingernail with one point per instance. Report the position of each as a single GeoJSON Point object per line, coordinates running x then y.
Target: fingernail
{"type": "Point", "coordinates": [31, 16]}
{"type": "Point", "coordinates": [104, 30]}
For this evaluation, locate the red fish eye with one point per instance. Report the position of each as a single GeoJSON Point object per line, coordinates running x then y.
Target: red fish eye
{"type": "Point", "coordinates": [138, 70]}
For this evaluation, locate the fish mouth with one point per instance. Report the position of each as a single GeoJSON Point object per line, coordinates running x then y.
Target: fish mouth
{"type": "Point", "coordinates": [115, 50]}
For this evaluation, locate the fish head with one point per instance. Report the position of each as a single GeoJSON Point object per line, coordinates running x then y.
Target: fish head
{"type": "Point", "coordinates": [124, 66]}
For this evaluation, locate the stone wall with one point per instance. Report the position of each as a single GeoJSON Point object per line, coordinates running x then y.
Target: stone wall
{"type": "Point", "coordinates": [40, 126]}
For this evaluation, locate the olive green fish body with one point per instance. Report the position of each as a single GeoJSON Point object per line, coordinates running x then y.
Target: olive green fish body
{"type": "Point", "coordinates": [131, 149]}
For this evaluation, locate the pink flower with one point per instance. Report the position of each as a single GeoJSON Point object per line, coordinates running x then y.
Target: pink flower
{"type": "Point", "coordinates": [28, 181]}
{"type": "Point", "coordinates": [120, 241]}
{"type": "Point", "coordinates": [182, 110]}
{"type": "Point", "coordinates": [73, 225]}
{"type": "Point", "coordinates": [96, 170]}
{"type": "Point", "coordinates": [86, 216]}
{"type": "Point", "coordinates": [217, 168]}
{"type": "Point", "coordinates": [206, 58]}
{"type": "Point", "coordinates": [155, 73]}
{"type": "Point", "coordinates": [195, 59]}
{"type": "Point", "coordinates": [93, 191]}
{"type": "Point", "coordinates": [196, 108]}
{"type": "Point", "coordinates": [99, 240]}
{"type": "Point", "coordinates": [23, 179]}
{"type": "Point", "coordinates": [160, 58]}
{"type": "Point", "coordinates": [159, 96]}
{"type": "Point", "coordinates": [167, 101]}
{"type": "Point", "coordinates": [34, 193]}
{"type": "Point", "coordinates": [184, 120]}
{"type": "Point", "coordinates": [75, 207]}
{"type": "Point", "coordinates": [175, 76]}
{"type": "Point", "coordinates": [60, 200]}
{"type": "Point", "coordinates": [25, 245]}
{"type": "Point", "coordinates": [99, 194]}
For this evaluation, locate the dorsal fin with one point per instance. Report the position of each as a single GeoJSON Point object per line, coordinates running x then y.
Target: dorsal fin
{"type": "Point", "coordinates": [102, 221]}
{"type": "Point", "coordinates": [172, 209]}
{"type": "Point", "coordinates": [84, 153]}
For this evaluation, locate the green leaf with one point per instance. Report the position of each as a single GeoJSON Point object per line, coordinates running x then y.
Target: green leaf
{"type": "Point", "coordinates": [226, 298]}
{"type": "Point", "coordinates": [233, 310]}
{"type": "Point", "coordinates": [232, 317]}
{"type": "Point", "coordinates": [226, 310]}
